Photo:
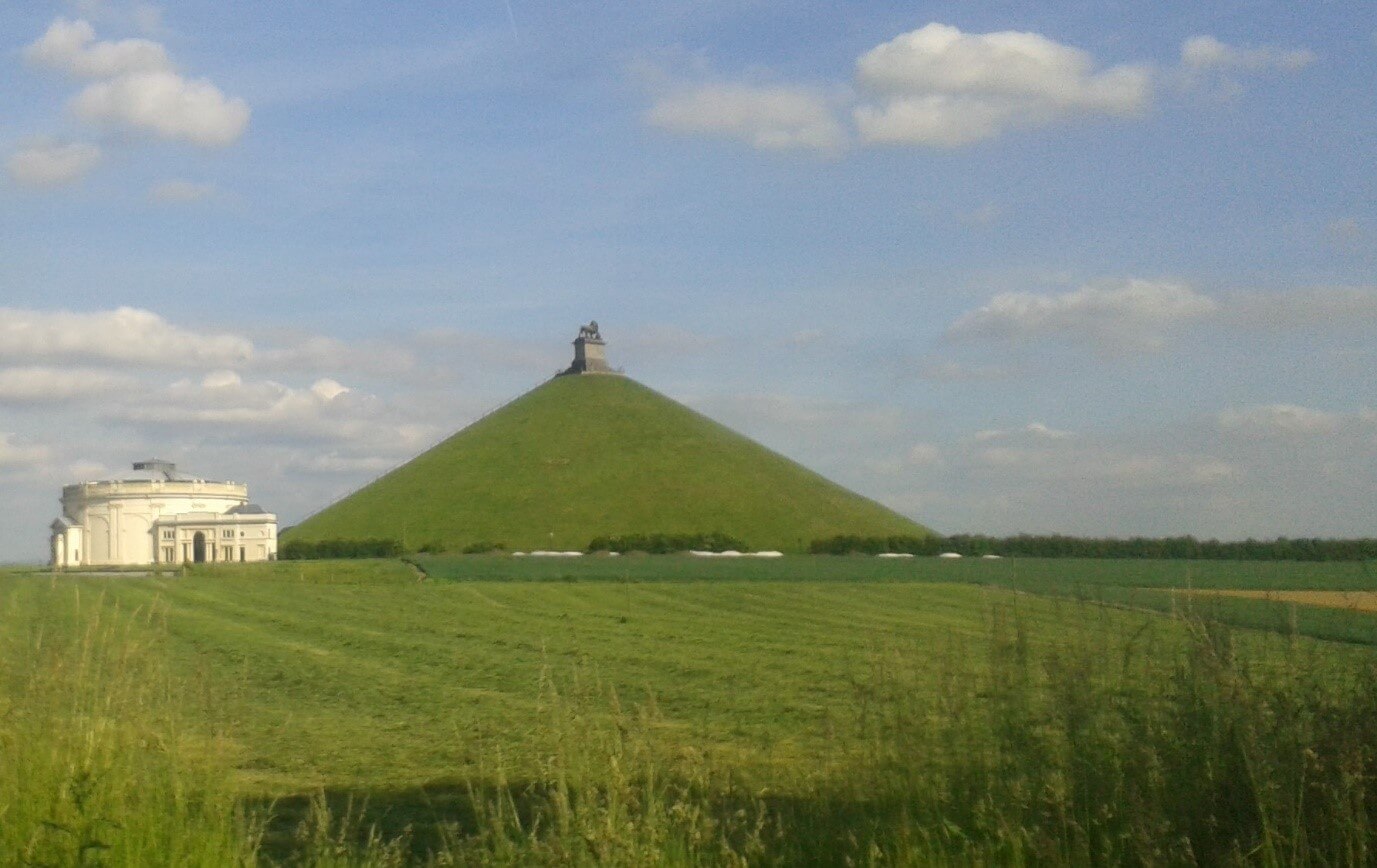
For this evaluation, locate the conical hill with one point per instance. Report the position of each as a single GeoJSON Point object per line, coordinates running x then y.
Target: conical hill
{"type": "Point", "coordinates": [598, 455]}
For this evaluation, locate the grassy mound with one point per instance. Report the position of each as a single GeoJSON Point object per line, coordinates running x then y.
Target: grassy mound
{"type": "Point", "coordinates": [580, 457]}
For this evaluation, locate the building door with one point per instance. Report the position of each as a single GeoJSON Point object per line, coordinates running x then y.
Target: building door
{"type": "Point", "coordinates": [198, 548]}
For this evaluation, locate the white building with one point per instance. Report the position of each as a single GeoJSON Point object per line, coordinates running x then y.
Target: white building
{"type": "Point", "coordinates": [163, 519]}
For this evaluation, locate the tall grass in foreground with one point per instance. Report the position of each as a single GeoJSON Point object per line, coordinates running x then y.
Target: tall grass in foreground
{"type": "Point", "coordinates": [1148, 751]}
{"type": "Point", "coordinates": [98, 762]}
{"type": "Point", "coordinates": [1166, 745]}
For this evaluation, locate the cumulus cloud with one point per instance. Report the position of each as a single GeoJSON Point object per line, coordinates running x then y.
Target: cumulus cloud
{"type": "Point", "coordinates": [38, 385]}
{"type": "Point", "coordinates": [52, 164]}
{"type": "Point", "coordinates": [224, 405]}
{"type": "Point", "coordinates": [768, 117]}
{"type": "Point", "coordinates": [1213, 67]}
{"type": "Point", "coordinates": [134, 86]}
{"type": "Point", "coordinates": [1207, 52]}
{"type": "Point", "coordinates": [177, 192]}
{"type": "Point", "coordinates": [72, 47]}
{"type": "Point", "coordinates": [940, 87]}
{"type": "Point", "coordinates": [125, 335]}
{"type": "Point", "coordinates": [167, 105]}
{"type": "Point", "coordinates": [1135, 313]}
{"type": "Point", "coordinates": [936, 86]}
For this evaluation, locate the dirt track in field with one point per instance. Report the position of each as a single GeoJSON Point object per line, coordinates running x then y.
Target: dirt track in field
{"type": "Point", "coordinates": [1359, 601]}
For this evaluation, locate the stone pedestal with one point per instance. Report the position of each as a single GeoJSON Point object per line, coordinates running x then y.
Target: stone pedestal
{"type": "Point", "coordinates": [590, 357]}
{"type": "Point", "coordinates": [590, 353]}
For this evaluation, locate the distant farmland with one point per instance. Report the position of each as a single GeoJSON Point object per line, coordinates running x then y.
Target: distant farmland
{"type": "Point", "coordinates": [638, 710]}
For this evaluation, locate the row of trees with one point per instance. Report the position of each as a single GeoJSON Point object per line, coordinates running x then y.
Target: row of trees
{"type": "Point", "coordinates": [1058, 546]}
{"type": "Point", "coordinates": [971, 545]}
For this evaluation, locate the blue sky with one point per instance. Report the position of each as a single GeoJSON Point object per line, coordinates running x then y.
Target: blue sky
{"type": "Point", "coordinates": [1092, 268]}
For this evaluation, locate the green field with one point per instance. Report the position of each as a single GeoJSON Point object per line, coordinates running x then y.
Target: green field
{"type": "Point", "coordinates": [1134, 584]}
{"type": "Point", "coordinates": [673, 710]}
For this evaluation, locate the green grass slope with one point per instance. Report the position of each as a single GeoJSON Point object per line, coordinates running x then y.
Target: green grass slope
{"type": "Point", "coordinates": [587, 456]}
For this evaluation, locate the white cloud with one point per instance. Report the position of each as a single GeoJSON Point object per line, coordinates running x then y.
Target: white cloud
{"type": "Point", "coordinates": [1207, 52]}
{"type": "Point", "coordinates": [135, 87]}
{"type": "Point", "coordinates": [1212, 67]}
{"type": "Point", "coordinates": [72, 47]}
{"type": "Point", "coordinates": [167, 105]}
{"type": "Point", "coordinates": [221, 380]}
{"type": "Point", "coordinates": [327, 390]}
{"type": "Point", "coordinates": [37, 385]}
{"type": "Point", "coordinates": [224, 405]}
{"type": "Point", "coordinates": [1135, 313]}
{"type": "Point", "coordinates": [124, 335]}
{"type": "Point", "coordinates": [1280, 419]}
{"type": "Point", "coordinates": [177, 192]}
{"type": "Point", "coordinates": [13, 454]}
{"type": "Point", "coordinates": [937, 86]}
{"type": "Point", "coordinates": [52, 164]}
{"type": "Point", "coordinates": [768, 117]}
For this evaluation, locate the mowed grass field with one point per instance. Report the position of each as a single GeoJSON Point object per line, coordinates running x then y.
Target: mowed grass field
{"type": "Point", "coordinates": [1160, 585]}
{"type": "Point", "coordinates": [643, 710]}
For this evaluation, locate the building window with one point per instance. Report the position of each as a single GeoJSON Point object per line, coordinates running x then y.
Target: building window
{"type": "Point", "coordinates": [227, 533]}
{"type": "Point", "coordinates": [169, 534]}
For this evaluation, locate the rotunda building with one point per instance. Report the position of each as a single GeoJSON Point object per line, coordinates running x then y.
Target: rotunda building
{"type": "Point", "coordinates": [162, 519]}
